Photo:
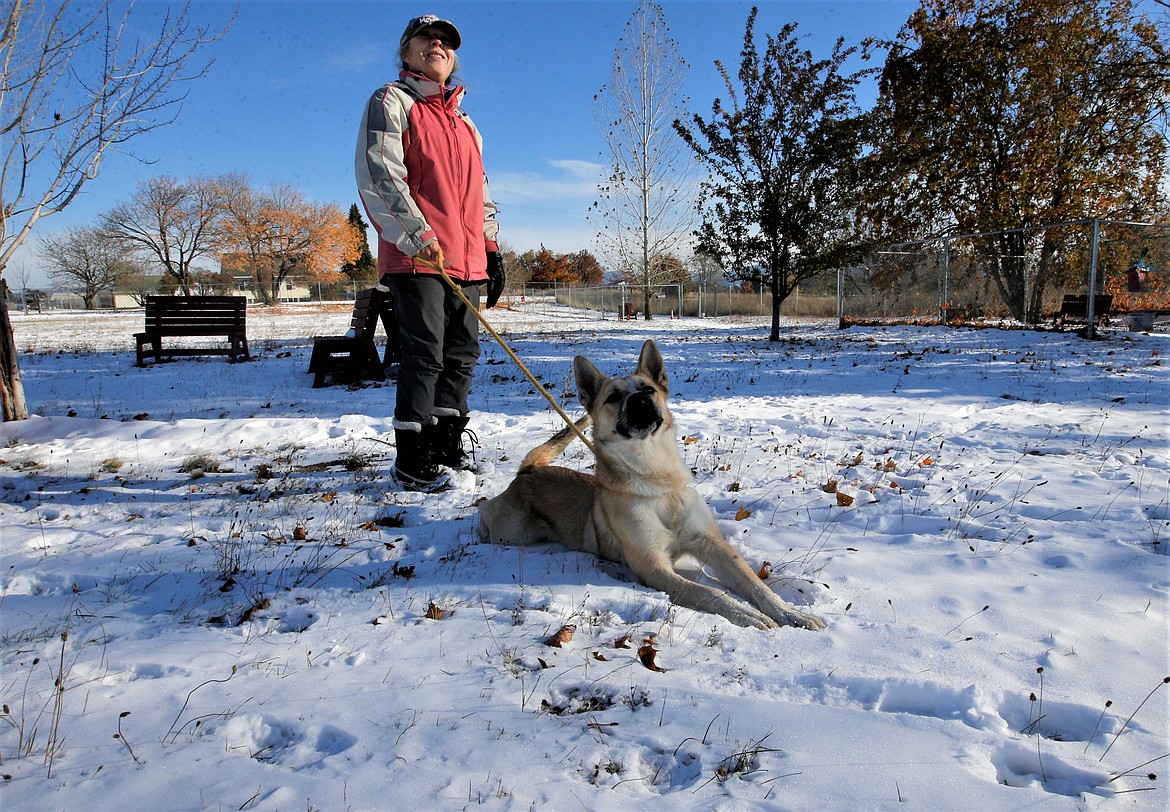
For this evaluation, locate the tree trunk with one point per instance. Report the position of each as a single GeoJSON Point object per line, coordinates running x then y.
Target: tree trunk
{"type": "Point", "coordinates": [1044, 272]}
{"type": "Point", "coordinates": [774, 335]}
{"type": "Point", "coordinates": [1005, 260]}
{"type": "Point", "coordinates": [11, 386]}
{"type": "Point", "coordinates": [779, 293]}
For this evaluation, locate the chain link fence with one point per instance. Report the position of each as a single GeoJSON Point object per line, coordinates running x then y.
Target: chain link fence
{"type": "Point", "coordinates": [1091, 273]}
{"type": "Point", "coordinates": [1088, 274]}
{"type": "Point", "coordinates": [677, 300]}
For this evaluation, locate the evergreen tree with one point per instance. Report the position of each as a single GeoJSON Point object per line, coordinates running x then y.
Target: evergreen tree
{"type": "Point", "coordinates": [365, 267]}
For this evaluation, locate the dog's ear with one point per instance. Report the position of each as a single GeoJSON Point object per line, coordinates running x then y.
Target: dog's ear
{"type": "Point", "coordinates": [650, 365]}
{"type": "Point", "coordinates": [590, 379]}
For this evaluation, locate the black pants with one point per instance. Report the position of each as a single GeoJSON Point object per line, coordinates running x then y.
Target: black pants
{"type": "Point", "coordinates": [440, 347]}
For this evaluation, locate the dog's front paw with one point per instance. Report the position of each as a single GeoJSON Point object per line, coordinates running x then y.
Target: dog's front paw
{"type": "Point", "coordinates": [810, 622]}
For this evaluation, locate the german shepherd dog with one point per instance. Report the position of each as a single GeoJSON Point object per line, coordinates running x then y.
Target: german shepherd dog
{"type": "Point", "coordinates": [638, 508]}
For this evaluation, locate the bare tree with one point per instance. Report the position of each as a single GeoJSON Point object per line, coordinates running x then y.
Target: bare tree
{"type": "Point", "coordinates": [644, 209]}
{"type": "Point", "coordinates": [86, 261]}
{"type": "Point", "coordinates": [518, 274]}
{"type": "Point", "coordinates": [22, 274]}
{"type": "Point", "coordinates": [138, 283]}
{"type": "Point", "coordinates": [75, 84]}
{"type": "Point", "coordinates": [174, 223]}
{"type": "Point", "coordinates": [705, 269]}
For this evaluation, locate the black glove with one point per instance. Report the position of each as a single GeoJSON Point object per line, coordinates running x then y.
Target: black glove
{"type": "Point", "coordinates": [496, 278]}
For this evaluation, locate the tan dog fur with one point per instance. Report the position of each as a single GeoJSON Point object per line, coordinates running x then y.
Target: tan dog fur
{"type": "Point", "coordinates": [638, 509]}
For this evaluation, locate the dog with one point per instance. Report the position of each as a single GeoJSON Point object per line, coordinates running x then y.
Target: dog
{"type": "Point", "coordinates": [638, 509]}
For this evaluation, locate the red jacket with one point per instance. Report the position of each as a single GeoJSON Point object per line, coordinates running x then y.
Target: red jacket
{"type": "Point", "coordinates": [419, 169]}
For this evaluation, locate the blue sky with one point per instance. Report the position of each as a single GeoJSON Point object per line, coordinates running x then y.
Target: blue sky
{"type": "Point", "coordinates": [283, 100]}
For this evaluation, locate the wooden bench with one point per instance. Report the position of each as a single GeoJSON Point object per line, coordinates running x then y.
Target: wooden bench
{"type": "Point", "coordinates": [353, 356]}
{"type": "Point", "coordinates": [960, 314]}
{"type": "Point", "coordinates": [194, 316]}
{"type": "Point", "coordinates": [1075, 308]}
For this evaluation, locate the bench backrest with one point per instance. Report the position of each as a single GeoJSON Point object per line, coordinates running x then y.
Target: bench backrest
{"type": "Point", "coordinates": [196, 315]}
{"type": "Point", "coordinates": [367, 306]}
{"type": "Point", "coordinates": [1078, 305]}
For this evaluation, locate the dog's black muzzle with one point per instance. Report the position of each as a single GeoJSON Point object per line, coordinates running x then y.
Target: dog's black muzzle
{"type": "Point", "coordinates": [640, 416]}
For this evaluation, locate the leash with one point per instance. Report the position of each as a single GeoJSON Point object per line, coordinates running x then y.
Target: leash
{"type": "Point", "coordinates": [438, 266]}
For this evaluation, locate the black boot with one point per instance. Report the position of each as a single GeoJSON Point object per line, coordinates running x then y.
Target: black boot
{"type": "Point", "coordinates": [448, 447]}
{"type": "Point", "coordinates": [414, 468]}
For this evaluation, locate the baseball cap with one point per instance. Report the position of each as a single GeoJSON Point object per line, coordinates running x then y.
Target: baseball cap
{"type": "Point", "coordinates": [431, 21]}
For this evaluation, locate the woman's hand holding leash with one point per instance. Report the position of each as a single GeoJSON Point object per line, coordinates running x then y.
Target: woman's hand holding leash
{"type": "Point", "coordinates": [430, 255]}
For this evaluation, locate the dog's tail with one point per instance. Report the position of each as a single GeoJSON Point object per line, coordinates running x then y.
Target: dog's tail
{"type": "Point", "coordinates": [544, 454]}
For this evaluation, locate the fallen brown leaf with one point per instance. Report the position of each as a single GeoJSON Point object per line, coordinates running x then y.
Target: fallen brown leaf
{"type": "Point", "coordinates": [647, 655]}
{"type": "Point", "coordinates": [563, 635]}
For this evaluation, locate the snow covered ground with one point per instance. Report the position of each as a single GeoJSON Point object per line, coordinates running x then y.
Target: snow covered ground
{"type": "Point", "coordinates": [211, 597]}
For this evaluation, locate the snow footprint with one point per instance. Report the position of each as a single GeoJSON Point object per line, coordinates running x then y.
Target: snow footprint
{"type": "Point", "coordinates": [286, 744]}
{"type": "Point", "coordinates": [936, 701]}
{"type": "Point", "coordinates": [1020, 765]}
{"type": "Point", "coordinates": [1056, 721]}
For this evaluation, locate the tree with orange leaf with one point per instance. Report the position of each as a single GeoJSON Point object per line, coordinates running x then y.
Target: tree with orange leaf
{"type": "Point", "coordinates": [547, 267]}
{"type": "Point", "coordinates": [277, 234]}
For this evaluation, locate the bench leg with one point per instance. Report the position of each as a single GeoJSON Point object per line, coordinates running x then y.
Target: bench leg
{"type": "Point", "coordinates": [319, 364]}
{"type": "Point", "coordinates": [373, 364]}
{"type": "Point", "coordinates": [148, 346]}
{"type": "Point", "coordinates": [239, 348]}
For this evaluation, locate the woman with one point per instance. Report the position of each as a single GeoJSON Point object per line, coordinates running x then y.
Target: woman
{"type": "Point", "coordinates": [420, 175]}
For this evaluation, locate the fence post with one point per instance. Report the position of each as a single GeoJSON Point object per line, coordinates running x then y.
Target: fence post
{"type": "Point", "coordinates": [1091, 310]}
